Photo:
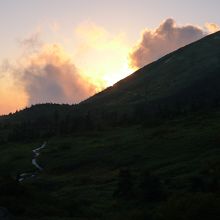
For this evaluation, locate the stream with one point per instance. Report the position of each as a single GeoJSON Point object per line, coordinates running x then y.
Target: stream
{"type": "Point", "coordinates": [36, 154]}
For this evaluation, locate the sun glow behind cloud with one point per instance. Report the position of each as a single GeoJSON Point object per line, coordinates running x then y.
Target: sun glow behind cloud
{"type": "Point", "coordinates": [212, 27]}
{"type": "Point", "coordinates": [101, 55]}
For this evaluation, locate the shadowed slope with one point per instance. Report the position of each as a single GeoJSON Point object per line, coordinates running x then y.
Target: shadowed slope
{"type": "Point", "coordinates": [192, 70]}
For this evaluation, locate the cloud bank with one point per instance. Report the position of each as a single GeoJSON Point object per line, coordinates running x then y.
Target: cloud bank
{"type": "Point", "coordinates": [44, 73]}
{"type": "Point", "coordinates": [102, 54]}
{"type": "Point", "coordinates": [51, 76]}
{"type": "Point", "coordinates": [163, 40]}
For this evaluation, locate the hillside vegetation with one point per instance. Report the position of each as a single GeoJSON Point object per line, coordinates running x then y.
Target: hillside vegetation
{"type": "Point", "coordinates": [146, 148]}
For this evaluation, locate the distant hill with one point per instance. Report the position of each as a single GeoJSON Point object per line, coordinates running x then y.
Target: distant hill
{"type": "Point", "coordinates": [39, 110]}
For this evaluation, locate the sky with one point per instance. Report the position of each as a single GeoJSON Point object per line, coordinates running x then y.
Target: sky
{"type": "Point", "coordinates": [64, 51]}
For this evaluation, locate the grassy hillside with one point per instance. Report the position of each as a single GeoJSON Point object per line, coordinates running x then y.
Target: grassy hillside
{"type": "Point", "coordinates": [82, 172]}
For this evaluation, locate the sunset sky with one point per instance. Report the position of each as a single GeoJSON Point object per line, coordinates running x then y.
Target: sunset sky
{"type": "Point", "coordinates": [64, 51]}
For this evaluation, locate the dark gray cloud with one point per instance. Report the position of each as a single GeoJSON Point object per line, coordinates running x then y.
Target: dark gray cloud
{"type": "Point", "coordinates": [165, 39]}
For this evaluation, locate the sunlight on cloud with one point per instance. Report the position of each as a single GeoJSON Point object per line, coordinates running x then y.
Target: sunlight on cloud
{"type": "Point", "coordinates": [51, 76]}
{"type": "Point", "coordinates": [46, 74]}
{"type": "Point", "coordinates": [101, 55]}
{"type": "Point", "coordinates": [167, 37]}
{"type": "Point", "coordinates": [212, 27]}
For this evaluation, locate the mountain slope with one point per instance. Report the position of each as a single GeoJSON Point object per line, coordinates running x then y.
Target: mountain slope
{"type": "Point", "coordinates": [193, 70]}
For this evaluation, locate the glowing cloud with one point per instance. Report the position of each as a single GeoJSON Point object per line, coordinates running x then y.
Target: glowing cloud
{"type": "Point", "coordinates": [50, 76]}
{"type": "Point", "coordinates": [43, 73]}
{"type": "Point", "coordinates": [101, 55]}
{"type": "Point", "coordinates": [163, 40]}
{"type": "Point", "coordinates": [212, 27]}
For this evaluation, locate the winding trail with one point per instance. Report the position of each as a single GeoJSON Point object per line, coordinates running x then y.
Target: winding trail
{"type": "Point", "coordinates": [36, 154]}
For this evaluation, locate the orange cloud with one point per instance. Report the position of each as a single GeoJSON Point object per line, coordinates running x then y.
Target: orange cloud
{"type": "Point", "coordinates": [212, 27]}
{"type": "Point", "coordinates": [51, 76]}
{"type": "Point", "coordinates": [163, 40]}
{"type": "Point", "coordinates": [101, 55]}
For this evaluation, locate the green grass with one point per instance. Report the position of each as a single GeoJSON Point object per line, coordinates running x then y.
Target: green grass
{"type": "Point", "coordinates": [80, 171]}
{"type": "Point", "coordinates": [16, 157]}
